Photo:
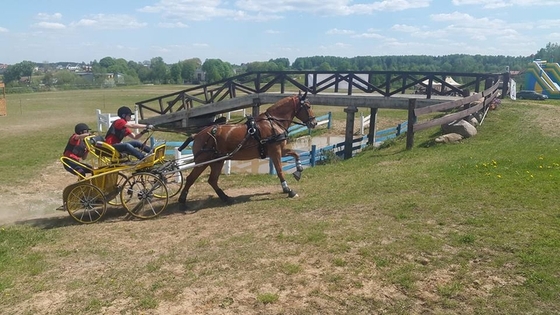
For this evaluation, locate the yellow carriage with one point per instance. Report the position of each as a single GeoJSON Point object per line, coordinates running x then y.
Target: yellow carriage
{"type": "Point", "coordinates": [142, 187]}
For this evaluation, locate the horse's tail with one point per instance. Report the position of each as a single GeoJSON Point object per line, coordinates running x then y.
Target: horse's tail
{"type": "Point", "coordinates": [186, 143]}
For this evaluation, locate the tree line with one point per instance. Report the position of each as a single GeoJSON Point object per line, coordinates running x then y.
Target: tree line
{"type": "Point", "coordinates": [194, 71]}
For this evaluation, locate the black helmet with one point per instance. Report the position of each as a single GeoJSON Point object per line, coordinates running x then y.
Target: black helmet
{"type": "Point", "coordinates": [123, 111]}
{"type": "Point", "coordinates": [80, 128]}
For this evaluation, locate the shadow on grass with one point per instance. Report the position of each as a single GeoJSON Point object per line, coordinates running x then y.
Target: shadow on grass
{"type": "Point", "coordinates": [115, 214]}
{"type": "Point", "coordinates": [212, 201]}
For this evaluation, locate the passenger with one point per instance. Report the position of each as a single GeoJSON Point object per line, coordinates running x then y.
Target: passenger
{"type": "Point", "coordinates": [76, 151]}
{"type": "Point", "coordinates": [120, 129]}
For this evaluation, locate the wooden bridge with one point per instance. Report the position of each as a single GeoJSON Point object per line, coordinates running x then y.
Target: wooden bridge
{"type": "Point", "coordinates": [190, 109]}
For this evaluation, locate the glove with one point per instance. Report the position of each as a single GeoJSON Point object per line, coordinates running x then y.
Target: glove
{"type": "Point", "coordinates": [150, 127]}
{"type": "Point", "coordinates": [145, 131]}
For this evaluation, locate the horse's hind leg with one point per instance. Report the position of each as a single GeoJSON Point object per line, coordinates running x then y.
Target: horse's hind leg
{"type": "Point", "coordinates": [215, 171]}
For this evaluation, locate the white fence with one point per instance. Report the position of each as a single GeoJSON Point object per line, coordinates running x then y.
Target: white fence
{"type": "Point", "coordinates": [364, 123]}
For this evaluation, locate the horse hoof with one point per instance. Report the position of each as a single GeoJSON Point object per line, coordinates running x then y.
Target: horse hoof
{"type": "Point", "coordinates": [297, 175]}
{"type": "Point", "coordinates": [230, 201]}
{"type": "Point", "coordinates": [292, 194]}
{"type": "Point", "coordinates": [182, 200]}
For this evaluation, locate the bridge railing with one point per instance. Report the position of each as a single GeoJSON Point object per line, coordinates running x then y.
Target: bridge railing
{"type": "Point", "coordinates": [384, 83]}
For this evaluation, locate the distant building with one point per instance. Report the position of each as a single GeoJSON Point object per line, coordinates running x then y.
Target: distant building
{"type": "Point", "coordinates": [199, 75]}
{"type": "Point", "coordinates": [107, 79]}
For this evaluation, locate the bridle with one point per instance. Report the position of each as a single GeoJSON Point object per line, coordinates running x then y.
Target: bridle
{"type": "Point", "coordinates": [299, 103]}
{"type": "Point", "coordinates": [303, 103]}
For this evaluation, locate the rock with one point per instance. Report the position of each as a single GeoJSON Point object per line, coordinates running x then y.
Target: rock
{"type": "Point", "coordinates": [472, 120]}
{"type": "Point", "coordinates": [449, 138]}
{"type": "Point", "coordinates": [461, 127]}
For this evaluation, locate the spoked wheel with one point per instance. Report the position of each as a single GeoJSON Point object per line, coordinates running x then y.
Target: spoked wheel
{"type": "Point", "coordinates": [171, 176]}
{"type": "Point", "coordinates": [144, 195]}
{"type": "Point", "coordinates": [86, 203]}
{"type": "Point", "coordinates": [121, 179]}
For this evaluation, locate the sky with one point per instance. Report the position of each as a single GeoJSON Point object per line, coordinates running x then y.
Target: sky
{"type": "Point", "coordinates": [242, 31]}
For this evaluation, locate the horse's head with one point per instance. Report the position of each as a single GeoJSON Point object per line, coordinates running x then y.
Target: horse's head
{"type": "Point", "coordinates": [304, 112]}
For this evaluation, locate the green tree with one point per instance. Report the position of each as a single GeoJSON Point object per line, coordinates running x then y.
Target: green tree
{"type": "Point", "coordinates": [282, 63]}
{"type": "Point", "coordinates": [259, 66]}
{"type": "Point", "coordinates": [48, 79]}
{"type": "Point", "coordinates": [217, 70]}
{"type": "Point", "coordinates": [175, 73]}
{"type": "Point", "coordinates": [188, 68]}
{"type": "Point", "coordinates": [160, 72]}
{"type": "Point", "coordinates": [65, 77]}
{"type": "Point", "coordinates": [325, 66]}
{"type": "Point", "coordinates": [550, 53]}
{"type": "Point", "coordinates": [18, 70]}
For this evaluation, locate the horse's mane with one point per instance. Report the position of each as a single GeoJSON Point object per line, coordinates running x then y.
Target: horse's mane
{"type": "Point", "coordinates": [282, 102]}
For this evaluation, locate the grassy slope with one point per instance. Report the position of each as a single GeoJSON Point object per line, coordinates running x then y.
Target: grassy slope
{"type": "Point", "coordinates": [469, 228]}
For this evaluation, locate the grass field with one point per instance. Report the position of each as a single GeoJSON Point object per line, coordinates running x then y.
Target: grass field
{"type": "Point", "coordinates": [468, 228]}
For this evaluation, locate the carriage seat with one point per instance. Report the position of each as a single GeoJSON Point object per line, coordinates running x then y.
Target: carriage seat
{"type": "Point", "coordinates": [105, 152]}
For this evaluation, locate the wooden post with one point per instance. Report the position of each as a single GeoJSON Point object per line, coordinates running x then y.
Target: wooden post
{"type": "Point", "coordinates": [313, 155]}
{"type": "Point", "coordinates": [3, 107]}
{"type": "Point", "coordinates": [372, 126]}
{"type": "Point", "coordinates": [256, 107]}
{"type": "Point", "coordinates": [387, 84]}
{"type": "Point", "coordinates": [348, 139]}
{"type": "Point", "coordinates": [410, 125]}
{"type": "Point", "coordinates": [336, 78]}
{"type": "Point", "coordinates": [505, 85]}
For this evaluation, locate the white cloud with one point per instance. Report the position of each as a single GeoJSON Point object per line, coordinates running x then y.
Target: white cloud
{"type": "Point", "coordinates": [272, 32]}
{"type": "Point", "coordinates": [265, 10]}
{"type": "Point", "coordinates": [404, 28]}
{"type": "Point", "coordinates": [336, 31]}
{"type": "Point", "coordinates": [369, 34]}
{"type": "Point", "coordinates": [495, 4]}
{"type": "Point", "coordinates": [3, 30]}
{"type": "Point", "coordinates": [109, 21]}
{"type": "Point", "coordinates": [49, 25]}
{"type": "Point", "coordinates": [49, 17]}
{"type": "Point", "coordinates": [173, 25]}
{"type": "Point", "coordinates": [195, 10]}
{"type": "Point", "coordinates": [548, 24]}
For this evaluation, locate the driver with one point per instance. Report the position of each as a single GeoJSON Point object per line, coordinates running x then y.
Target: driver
{"type": "Point", "coordinates": [120, 129]}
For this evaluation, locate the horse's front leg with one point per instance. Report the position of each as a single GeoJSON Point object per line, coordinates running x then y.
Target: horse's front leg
{"type": "Point", "coordinates": [276, 159]}
{"type": "Point", "coordinates": [299, 167]}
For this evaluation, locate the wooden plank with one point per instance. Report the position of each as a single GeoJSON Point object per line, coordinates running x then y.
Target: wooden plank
{"type": "Point", "coordinates": [447, 105]}
{"type": "Point", "coordinates": [448, 118]}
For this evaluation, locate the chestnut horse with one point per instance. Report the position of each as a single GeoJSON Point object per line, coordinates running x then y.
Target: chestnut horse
{"type": "Point", "coordinates": [263, 136]}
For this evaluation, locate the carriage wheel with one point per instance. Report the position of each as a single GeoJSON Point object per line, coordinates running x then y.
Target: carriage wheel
{"type": "Point", "coordinates": [121, 179]}
{"type": "Point", "coordinates": [86, 203]}
{"type": "Point", "coordinates": [173, 182]}
{"type": "Point", "coordinates": [144, 195]}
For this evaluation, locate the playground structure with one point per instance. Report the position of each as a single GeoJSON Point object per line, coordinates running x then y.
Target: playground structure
{"type": "Point", "coordinates": [543, 77]}
{"type": "Point", "coordinates": [3, 110]}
